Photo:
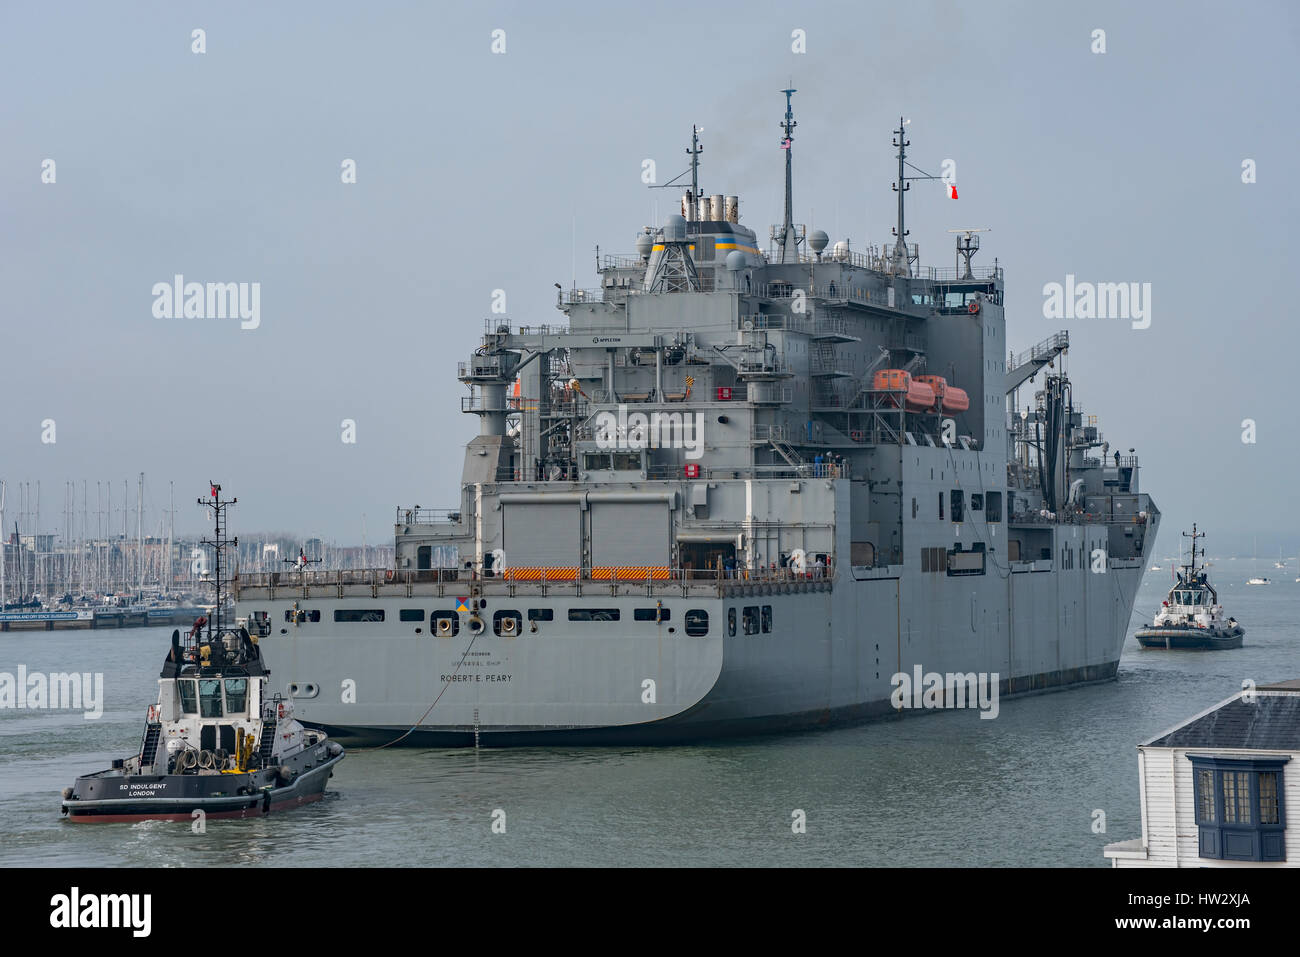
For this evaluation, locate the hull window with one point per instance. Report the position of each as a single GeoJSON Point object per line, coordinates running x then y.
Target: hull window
{"type": "Point", "coordinates": [358, 614]}
{"type": "Point", "coordinates": [541, 614]}
{"type": "Point", "coordinates": [697, 623]}
{"type": "Point", "coordinates": [593, 614]}
{"type": "Point", "coordinates": [411, 614]}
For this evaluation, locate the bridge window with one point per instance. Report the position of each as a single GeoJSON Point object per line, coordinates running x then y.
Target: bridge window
{"type": "Point", "coordinates": [209, 698]}
{"type": "Point", "coordinates": [236, 695]}
{"type": "Point", "coordinates": [595, 461]}
{"type": "Point", "coordinates": [189, 702]}
{"type": "Point", "coordinates": [697, 623]}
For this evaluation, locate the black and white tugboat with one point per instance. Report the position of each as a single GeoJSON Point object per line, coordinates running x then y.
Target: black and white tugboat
{"type": "Point", "coordinates": [219, 740]}
{"type": "Point", "coordinates": [1191, 617]}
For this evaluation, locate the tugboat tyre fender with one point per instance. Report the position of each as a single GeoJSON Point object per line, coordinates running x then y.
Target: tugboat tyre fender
{"type": "Point", "coordinates": [285, 773]}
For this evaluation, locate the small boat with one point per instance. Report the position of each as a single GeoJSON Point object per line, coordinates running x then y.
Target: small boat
{"type": "Point", "coordinates": [219, 740]}
{"type": "Point", "coordinates": [1259, 581]}
{"type": "Point", "coordinates": [1154, 568]}
{"type": "Point", "coordinates": [1191, 617]}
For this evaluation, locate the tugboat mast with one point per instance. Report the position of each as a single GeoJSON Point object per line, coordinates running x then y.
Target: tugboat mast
{"type": "Point", "coordinates": [218, 544]}
{"type": "Point", "coordinates": [1193, 535]}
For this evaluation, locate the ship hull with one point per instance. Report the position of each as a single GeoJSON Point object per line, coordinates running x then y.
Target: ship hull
{"type": "Point", "coordinates": [177, 797]}
{"type": "Point", "coordinates": [833, 656]}
{"type": "Point", "coordinates": [1189, 639]}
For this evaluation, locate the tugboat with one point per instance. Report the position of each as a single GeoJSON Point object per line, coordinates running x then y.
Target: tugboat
{"type": "Point", "coordinates": [1191, 617]}
{"type": "Point", "coordinates": [219, 740]}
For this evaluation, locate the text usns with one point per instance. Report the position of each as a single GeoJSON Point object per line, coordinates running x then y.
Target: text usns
{"type": "Point", "coordinates": [209, 300]}
{"type": "Point", "coordinates": [1100, 300]}
{"type": "Point", "coordinates": [658, 430]}
{"type": "Point", "coordinates": [951, 690]}
{"type": "Point", "coordinates": [102, 910]}
{"type": "Point", "coordinates": [36, 691]}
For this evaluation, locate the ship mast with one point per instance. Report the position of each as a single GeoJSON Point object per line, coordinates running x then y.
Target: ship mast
{"type": "Point", "coordinates": [695, 151]}
{"type": "Point", "coordinates": [218, 544]}
{"type": "Point", "coordinates": [1193, 535]}
{"type": "Point", "coordinates": [789, 243]}
{"type": "Point", "coordinates": [901, 187]}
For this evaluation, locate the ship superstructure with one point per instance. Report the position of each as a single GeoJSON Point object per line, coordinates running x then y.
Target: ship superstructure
{"type": "Point", "coordinates": [739, 489]}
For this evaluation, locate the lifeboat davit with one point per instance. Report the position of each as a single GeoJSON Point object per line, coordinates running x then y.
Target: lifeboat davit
{"type": "Point", "coordinates": [949, 397]}
{"type": "Point", "coordinates": [916, 396]}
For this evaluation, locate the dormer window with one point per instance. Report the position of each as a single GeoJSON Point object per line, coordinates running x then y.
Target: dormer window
{"type": "Point", "coordinates": [1240, 808]}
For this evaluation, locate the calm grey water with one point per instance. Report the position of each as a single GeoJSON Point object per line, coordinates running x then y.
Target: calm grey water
{"type": "Point", "coordinates": [943, 789]}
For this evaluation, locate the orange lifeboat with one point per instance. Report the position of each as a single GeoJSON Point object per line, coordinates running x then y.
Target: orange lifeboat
{"type": "Point", "coordinates": [950, 398]}
{"type": "Point", "coordinates": [916, 396]}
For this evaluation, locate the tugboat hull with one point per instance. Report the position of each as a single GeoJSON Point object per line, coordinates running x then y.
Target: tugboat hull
{"type": "Point", "coordinates": [1190, 639]}
{"type": "Point", "coordinates": [107, 797]}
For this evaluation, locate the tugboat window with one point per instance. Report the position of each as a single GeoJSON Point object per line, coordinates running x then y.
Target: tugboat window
{"type": "Point", "coordinates": [236, 695]}
{"type": "Point", "coordinates": [209, 698]}
{"type": "Point", "coordinates": [189, 703]}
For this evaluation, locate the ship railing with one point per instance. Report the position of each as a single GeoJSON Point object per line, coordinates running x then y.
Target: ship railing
{"type": "Point", "coordinates": [558, 574]}
{"type": "Point", "coordinates": [426, 516]}
{"type": "Point", "coordinates": [616, 261]}
{"type": "Point", "coordinates": [1076, 518]}
{"type": "Point", "coordinates": [811, 470]}
{"type": "Point", "coordinates": [1047, 348]}
{"type": "Point", "coordinates": [953, 274]}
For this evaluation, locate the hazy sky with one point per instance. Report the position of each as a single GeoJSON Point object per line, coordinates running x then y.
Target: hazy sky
{"type": "Point", "coordinates": [479, 171]}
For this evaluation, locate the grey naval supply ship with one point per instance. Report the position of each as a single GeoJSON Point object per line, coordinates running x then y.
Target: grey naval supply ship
{"type": "Point", "coordinates": [738, 491]}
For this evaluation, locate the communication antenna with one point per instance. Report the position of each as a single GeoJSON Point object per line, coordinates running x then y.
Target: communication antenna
{"type": "Point", "coordinates": [967, 246]}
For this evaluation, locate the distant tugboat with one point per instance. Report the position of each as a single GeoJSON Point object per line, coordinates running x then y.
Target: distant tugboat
{"type": "Point", "coordinates": [1191, 617]}
{"type": "Point", "coordinates": [251, 756]}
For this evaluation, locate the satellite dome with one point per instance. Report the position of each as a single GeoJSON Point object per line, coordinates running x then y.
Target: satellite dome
{"type": "Point", "coordinates": [675, 229]}
{"type": "Point", "coordinates": [644, 243]}
{"type": "Point", "coordinates": [735, 260]}
{"type": "Point", "coordinates": [818, 240]}
{"type": "Point", "coordinates": [841, 250]}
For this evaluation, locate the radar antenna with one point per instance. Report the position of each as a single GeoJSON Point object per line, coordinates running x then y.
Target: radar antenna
{"type": "Point", "coordinates": [968, 246]}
